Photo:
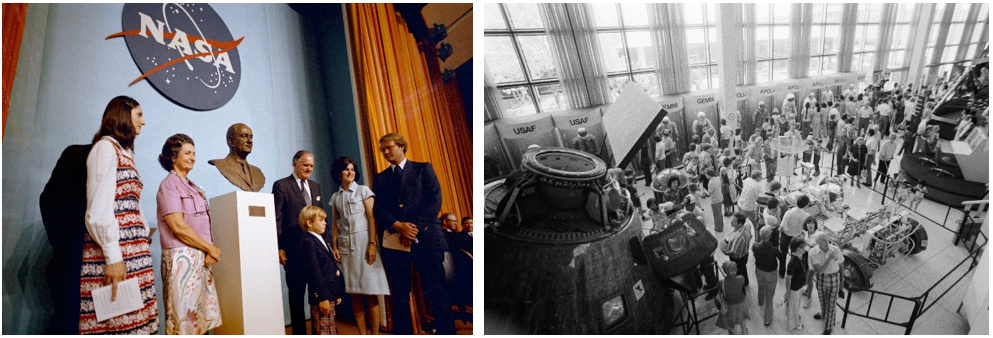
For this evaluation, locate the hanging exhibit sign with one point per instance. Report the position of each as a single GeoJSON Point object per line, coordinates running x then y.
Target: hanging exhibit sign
{"type": "Point", "coordinates": [568, 123]}
{"type": "Point", "coordinates": [519, 132]}
{"type": "Point", "coordinates": [819, 83]}
{"type": "Point", "coordinates": [185, 51]}
{"type": "Point", "coordinates": [741, 93]}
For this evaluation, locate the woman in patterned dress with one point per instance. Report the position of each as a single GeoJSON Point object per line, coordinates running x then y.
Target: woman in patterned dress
{"type": "Point", "coordinates": [116, 244]}
{"type": "Point", "coordinates": [187, 244]}
{"type": "Point", "coordinates": [354, 230]}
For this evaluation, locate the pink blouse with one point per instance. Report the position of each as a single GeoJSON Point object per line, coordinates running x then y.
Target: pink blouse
{"type": "Point", "coordinates": [177, 195]}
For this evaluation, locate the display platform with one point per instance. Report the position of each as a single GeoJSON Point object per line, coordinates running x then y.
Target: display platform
{"type": "Point", "coordinates": [249, 287]}
{"type": "Point", "coordinates": [951, 189]}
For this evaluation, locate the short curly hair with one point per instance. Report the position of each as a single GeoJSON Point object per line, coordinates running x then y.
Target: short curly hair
{"type": "Point", "coordinates": [340, 165]}
{"type": "Point", "coordinates": [171, 148]}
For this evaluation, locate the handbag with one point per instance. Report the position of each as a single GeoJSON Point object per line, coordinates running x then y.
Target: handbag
{"type": "Point", "coordinates": [681, 246]}
{"type": "Point", "coordinates": [392, 241]}
{"type": "Point", "coordinates": [720, 301]}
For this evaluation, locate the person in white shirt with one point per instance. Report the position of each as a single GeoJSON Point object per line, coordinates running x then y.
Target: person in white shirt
{"type": "Point", "coordinates": [886, 151]}
{"type": "Point", "coordinates": [750, 190]}
{"type": "Point", "coordinates": [726, 133]}
{"type": "Point", "coordinates": [865, 112]}
{"type": "Point", "coordinates": [826, 260]}
{"type": "Point", "coordinates": [790, 227]}
{"type": "Point", "coordinates": [884, 109]}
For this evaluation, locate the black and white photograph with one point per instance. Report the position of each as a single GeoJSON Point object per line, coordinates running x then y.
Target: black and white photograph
{"type": "Point", "coordinates": [736, 168]}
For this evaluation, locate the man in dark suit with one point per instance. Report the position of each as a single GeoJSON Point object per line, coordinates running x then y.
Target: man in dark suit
{"type": "Point", "coordinates": [408, 199]}
{"type": "Point", "coordinates": [292, 194]}
{"type": "Point", "coordinates": [63, 208]}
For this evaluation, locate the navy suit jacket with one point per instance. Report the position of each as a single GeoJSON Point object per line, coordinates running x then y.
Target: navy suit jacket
{"type": "Point", "coordinates": [324, 281]}
{"type": "Point", "coordinates": [289, 202]}
{"type": "Point", "coordinates": [417, 200]}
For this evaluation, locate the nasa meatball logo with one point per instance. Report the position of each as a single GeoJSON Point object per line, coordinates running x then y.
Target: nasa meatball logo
{"type": "Point", "coordinates": [185, 51]}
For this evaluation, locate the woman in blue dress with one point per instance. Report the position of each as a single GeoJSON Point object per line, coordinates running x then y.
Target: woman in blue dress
{"type": "Point", "coordinates": [355, 244]}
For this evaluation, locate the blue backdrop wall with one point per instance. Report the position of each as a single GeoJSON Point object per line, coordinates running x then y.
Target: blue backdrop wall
{"type": "Point", "coordinates": [67, 72]}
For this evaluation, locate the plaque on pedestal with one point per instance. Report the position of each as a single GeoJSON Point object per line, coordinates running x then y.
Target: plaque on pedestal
{"type": "Point", "coordinates": [248, 282]}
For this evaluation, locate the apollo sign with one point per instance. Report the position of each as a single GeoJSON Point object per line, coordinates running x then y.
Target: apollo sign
{"type": "Point", "coordinates": [185, 51]}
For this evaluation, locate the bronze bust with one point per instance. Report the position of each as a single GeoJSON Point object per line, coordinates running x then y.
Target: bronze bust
{"type": "Point", "coordinates": [235, 166]}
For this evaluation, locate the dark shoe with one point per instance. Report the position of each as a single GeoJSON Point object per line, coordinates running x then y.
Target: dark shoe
{"type": "Point", "coordinates": [710, 296]}
{"type": "Point", "coordinates": [826, 332]}
{"type": "Point", "coordinates": [817, 316]}
{"type": "Point", "coordinates": [769, 323]}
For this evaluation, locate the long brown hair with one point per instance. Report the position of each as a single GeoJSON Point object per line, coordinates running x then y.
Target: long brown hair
{"type": "Point", "coordinates": [117, 122]}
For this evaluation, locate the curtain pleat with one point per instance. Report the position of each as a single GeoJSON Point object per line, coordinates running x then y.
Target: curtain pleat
{"type": "Point", "coordinates": [665, 22]}
{"type": "Point", "coordinates": [13, 30]}
{"type": "Point", "coordinates": [883, 38]}
{"type": "Point", "coordinates": [571, 27]}
{"type": "Point", "coordinates": [491, 97]}
{"type": "Point", "coordinates": [939, 43]}
{"type": "Point", "coordinates": [846, 47]}
{"type": "Point", "coordinates": [800, 26]}
{"type": "Point", "coordinates": [747, 73]}
{"type": "Point", "coordinates": [400, 90]}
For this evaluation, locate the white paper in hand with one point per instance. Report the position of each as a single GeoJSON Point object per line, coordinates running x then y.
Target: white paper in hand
{"type": "Point", "coordinates": [128, 299]}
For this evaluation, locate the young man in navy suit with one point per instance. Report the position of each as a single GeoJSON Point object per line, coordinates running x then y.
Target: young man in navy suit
{"type": "Point", "coordinates": [291, 194]}
{"type": "Point", "coordinates": [408, 200]}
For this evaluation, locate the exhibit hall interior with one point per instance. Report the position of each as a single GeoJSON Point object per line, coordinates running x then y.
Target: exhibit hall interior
{"type": "Point", "coordinates": [332, 193]}
{"type": "Point", "coordinates": [736, 168]}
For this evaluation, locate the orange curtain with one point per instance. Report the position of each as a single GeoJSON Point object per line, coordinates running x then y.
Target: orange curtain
{"type": "Point", "coordinates": [400, 90]}
{"type": "Point", "coordinates": [13, 30]}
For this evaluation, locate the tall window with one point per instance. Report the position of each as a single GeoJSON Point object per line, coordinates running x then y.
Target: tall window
{"type": "Point", "coordinates": [901, 36]}
{"type": "Point", "coordinates": [626, 46]}
{"type": "Point", "coordinates": [866, 34]}
{"type": "Point", "coordinates": [825, 38]}
{"type": "Point", "coordinates": [701, 45]}
{"type": "Point", "coordinates": [976, 42]}
{"type": "Point", "coordinates": [519, 59]}
{"type": "Point", "coordinates": [939, 13]}
{"type": "Point", "coordinates": [956, 29]}
{"type": "Point", "coordinates": [772, 41]}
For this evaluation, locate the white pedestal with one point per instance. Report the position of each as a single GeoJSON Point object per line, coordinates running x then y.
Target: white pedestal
{"type": "Point", "coordinates": [247, 277]}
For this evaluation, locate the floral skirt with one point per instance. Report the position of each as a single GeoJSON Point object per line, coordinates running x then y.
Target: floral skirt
{"type": "Point", "coordinates": [190, 296]}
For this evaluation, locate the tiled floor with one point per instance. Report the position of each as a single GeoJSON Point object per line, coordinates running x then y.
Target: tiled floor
{"type": "Point", "coordinates": [910, 276]}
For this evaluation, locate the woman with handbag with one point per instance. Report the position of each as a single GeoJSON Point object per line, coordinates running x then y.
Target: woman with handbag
{"type": "Point", "coordinates": [731, 300]}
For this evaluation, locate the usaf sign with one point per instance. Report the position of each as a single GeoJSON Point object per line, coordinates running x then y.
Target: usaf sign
{"type": "Point", "coordinates": [185, 51]}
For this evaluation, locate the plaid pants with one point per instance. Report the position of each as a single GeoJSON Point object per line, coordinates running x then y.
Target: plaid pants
{"type": "Point", "coordinates": [827, 293]}
{"type": "Point", "coordinates": [321, 323]}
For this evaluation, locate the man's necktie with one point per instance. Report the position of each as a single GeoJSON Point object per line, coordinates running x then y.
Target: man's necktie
{"type": "Point", "coordinates": [303, 192]}
{"type": "Point", "coordinates": [398, 173]}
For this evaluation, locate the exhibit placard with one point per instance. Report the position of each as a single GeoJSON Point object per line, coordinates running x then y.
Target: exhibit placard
{"type": "Point", "coordinates": [568, 122]}
{"type": "Point", "coordinates": [519, 132]}
{"type": "Point", "coordinates": [741, 92]}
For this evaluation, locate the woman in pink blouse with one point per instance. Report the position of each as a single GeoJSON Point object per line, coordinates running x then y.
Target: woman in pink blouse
{"type": "Point", "coordinates": [187, 244]}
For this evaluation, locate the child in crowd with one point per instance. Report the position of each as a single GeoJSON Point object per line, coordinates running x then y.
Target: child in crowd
{"type": "Point", "coordinates": [918, 194]}
{"type": "Point", "coordinates": [323, 278]}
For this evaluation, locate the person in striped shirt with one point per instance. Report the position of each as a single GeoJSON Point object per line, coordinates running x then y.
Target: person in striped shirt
{"type": "Point", "coordinates": [737, 243]}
